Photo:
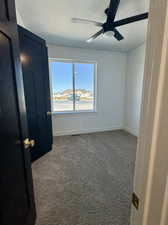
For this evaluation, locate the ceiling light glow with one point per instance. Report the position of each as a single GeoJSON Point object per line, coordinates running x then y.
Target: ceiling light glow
{"type": "Point", "coordinates": [109, 34]}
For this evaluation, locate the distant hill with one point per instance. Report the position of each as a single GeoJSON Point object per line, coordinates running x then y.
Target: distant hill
{"type": "Point", "coordinates": [70, 91]}
{"type": "Point", "coordinates": [81, 93]}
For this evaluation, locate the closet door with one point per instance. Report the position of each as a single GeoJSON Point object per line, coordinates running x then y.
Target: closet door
{"type": "Point", "coordinates": [34, 60]}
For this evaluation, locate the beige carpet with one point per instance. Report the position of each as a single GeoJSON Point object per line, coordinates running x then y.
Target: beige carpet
{"type": "Point", "coordinates": [86, 180]}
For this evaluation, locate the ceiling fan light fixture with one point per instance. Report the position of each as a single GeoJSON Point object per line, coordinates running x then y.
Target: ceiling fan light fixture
{"type": "Point", "coordinates": [109, 33]}
{"type": "Point", "coordinates": [89, 40]}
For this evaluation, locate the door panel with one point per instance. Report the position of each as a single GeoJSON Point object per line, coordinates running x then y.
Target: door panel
{"type": "Point", "coordinates": [16, 189]}
{"type": "Point", "coordinates": [36, 83]}
{"type": "Point", "coordinates": [4, 14]}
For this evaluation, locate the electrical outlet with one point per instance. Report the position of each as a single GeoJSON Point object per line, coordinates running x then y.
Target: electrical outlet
{"type": "Point", "coordinates": [135, 201]}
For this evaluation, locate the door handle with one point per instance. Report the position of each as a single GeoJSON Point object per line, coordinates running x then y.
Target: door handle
{"type": "Point", "coordinates": [28, 143]}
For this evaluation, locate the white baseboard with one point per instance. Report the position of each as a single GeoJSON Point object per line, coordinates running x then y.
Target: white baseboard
{"type": "Point", "coordinates": [131, 131]}
{"type": "Point", "coordinates": [85, 131]}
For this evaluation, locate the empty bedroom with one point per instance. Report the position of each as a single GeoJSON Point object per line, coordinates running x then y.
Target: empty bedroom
{"type": "Point", "coordinates": [83, 65]}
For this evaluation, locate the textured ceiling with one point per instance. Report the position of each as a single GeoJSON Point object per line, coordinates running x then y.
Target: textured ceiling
{"type": "Point", "coordinates": [52, 20]}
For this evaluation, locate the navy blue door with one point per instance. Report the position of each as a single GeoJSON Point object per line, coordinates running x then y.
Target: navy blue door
{"type": "Point", "coordinates": [34, 60]}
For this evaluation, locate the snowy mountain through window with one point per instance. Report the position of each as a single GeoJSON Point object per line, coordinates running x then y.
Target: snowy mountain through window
{"type": "Point", "coordinates": [73, 86]}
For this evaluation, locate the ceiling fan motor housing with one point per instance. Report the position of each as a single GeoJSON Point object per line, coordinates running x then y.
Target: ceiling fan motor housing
{"type": "Point", "coordinates": [108, 27]}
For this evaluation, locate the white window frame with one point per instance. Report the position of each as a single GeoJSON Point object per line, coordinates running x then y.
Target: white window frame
{"type": "Point", "coordinates": [95, 85]}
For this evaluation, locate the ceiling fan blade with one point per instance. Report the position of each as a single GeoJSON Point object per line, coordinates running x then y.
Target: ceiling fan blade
{"type": "Point", "coordinates": [112, 11]}
{"type": "Point", "coordinates": [117, 35]}
{"type": "Point", "coordinates": [84, 21]}
{"type": "Point", "coordinates": [131, 19]}
{"type": "Point", "coordinates": [92, 38]}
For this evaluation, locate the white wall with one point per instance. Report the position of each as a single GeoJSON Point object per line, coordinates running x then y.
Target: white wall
{"type": "Point", "coordinates": [110, 93]}
{"type": "Point", "coordinates": [19, 18]}
{"type": "Point", "coordinates": [133, 89]}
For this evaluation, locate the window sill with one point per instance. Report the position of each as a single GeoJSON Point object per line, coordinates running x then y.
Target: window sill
{"type": "Point", "coordinates": [74, 112]}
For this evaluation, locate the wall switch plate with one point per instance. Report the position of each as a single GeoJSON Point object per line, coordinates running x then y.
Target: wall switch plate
{"type": "Point", "coordinates": [135, 201]}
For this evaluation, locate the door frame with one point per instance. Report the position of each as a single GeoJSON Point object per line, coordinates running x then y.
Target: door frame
{"type": "Point", "coordinates": [151, 170]}
{"type": "Point", "coordinates": [9, 29]}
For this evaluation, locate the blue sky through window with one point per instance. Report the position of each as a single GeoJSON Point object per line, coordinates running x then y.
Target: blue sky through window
{"type": "Point", "coordinates": [84, 76]}
{"type": "Point", "coordinates": [62, 76]}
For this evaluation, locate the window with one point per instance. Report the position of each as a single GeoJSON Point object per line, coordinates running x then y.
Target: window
{"type": "Point", "coordinates": [73, 86]}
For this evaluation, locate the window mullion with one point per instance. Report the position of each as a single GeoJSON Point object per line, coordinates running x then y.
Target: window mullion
{"type": "Point", "coordinates": [73, 69]}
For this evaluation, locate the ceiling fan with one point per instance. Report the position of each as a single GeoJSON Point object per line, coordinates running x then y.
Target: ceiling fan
{"type": "Point", "coordinates": [108, 29]}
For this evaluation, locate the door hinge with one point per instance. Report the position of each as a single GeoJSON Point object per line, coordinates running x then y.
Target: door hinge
{"type": "Point", "coordinates": [49, 113]}
{"type": "Point", "coordinates": [135, 201]}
